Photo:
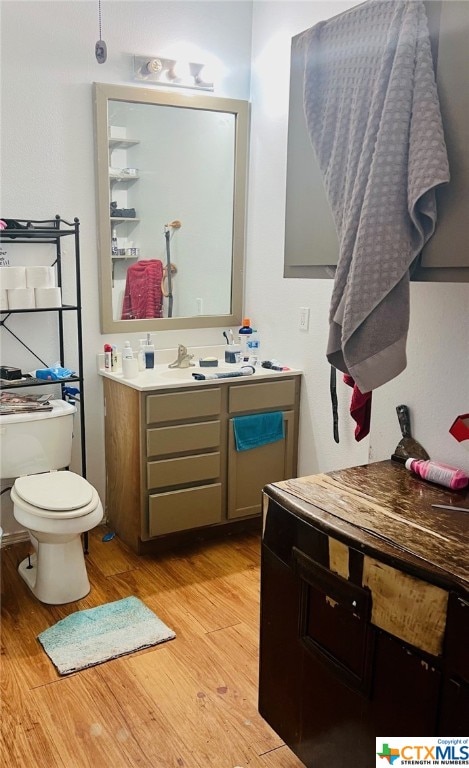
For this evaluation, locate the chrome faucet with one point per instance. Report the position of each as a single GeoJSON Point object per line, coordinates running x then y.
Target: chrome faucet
{"type": "Point", "coordinates": [183, 358]}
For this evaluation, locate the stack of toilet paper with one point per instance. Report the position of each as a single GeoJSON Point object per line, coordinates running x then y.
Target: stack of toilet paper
{"type": "Point", "coordinates": [28, 288]}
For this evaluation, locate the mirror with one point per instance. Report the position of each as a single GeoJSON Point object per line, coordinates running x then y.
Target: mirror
{"type": "Point", "coordinates": [171, 174]}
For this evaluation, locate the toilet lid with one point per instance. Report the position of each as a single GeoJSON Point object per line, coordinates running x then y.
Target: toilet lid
{"type": "Point", "coordinates": [55, 491]}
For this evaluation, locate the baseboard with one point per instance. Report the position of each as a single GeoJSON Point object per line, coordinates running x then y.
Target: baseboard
{"type": "Point", "coordinates": [14, 538]}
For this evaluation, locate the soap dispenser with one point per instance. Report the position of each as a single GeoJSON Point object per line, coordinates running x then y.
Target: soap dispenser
{"type": "Point", "coordinates": [149, 353]}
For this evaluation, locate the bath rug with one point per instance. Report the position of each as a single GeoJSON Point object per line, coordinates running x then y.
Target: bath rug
{"type": "Point", "coordinates": [87, 638]}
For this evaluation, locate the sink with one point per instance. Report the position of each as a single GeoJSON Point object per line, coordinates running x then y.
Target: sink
{"type": "Point", "coordinates": [179, 373]}
{"type": "Point", "coordinates": [186, 373]}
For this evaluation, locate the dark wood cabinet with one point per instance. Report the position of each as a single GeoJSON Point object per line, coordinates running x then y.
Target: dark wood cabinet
{"type": "Point", "coordinates": [364, 613]}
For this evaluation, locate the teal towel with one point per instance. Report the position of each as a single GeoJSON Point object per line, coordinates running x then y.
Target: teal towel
{"type": "Point", "coordinates": [256, 430]}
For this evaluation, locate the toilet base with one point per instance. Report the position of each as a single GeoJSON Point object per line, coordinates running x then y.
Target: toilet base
{"type": "Point", "coordinates": [58, 573]}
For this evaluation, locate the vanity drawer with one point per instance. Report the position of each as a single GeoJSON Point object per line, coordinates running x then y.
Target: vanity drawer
{"type": "Point", "coordinates": [183, 438]}
{"type": "Point", "coordinates": [259, 397]}
{"type": "Point", "coordinates": [176, 406]}
{"type": "Point", "coordinates": [184, 469]}
{"type": "Point", "coordinates": [185, 509]}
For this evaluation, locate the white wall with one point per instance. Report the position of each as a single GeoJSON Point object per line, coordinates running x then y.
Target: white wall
{"type": "Point", "coordinates": [47, 157]}
{"type": "Point", "coordinates": [435, 385]}
{"type": "Point", "coordinates": [47, 148]}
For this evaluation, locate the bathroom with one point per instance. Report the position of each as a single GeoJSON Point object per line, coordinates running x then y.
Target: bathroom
{"type": "Point", "coordinates": [48, 167]}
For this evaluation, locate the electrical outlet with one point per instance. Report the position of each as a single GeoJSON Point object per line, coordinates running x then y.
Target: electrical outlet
{"type": "Point", "coordinates": [303, 322]}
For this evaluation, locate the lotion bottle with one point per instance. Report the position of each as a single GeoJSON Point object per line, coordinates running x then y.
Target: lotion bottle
{"type": "Point", "coordinates": [438, 473]}
{"type": "Point", "coordinates": [127, 353]}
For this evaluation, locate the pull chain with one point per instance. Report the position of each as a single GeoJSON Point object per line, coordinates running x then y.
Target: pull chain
{"type": "Point", "coordinates": [100, 48]}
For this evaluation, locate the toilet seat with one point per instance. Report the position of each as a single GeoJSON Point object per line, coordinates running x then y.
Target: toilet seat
{"type": "Point", "coordinates": [55, 494]}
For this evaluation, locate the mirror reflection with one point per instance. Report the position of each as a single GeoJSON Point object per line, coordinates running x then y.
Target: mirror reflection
{"type": "Point", "coordinates": [171, 184]}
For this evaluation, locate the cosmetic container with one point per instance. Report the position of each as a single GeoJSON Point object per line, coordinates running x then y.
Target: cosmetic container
{"type": "Point", "coordinates": [232, 353]}
{"type": "Point", "coordinates": [107, 357]}
{"type": "Point", "coordinates": [438, 473]}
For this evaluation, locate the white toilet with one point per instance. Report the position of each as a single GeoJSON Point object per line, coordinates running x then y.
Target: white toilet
{"type": "Point", "coordinates": [56, 507]}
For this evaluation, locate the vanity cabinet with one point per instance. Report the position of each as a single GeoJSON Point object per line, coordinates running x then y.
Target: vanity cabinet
{"type": "Point", "coordinates": [364, 612]}
{"type": "Point", "coordinates": [172, 468]}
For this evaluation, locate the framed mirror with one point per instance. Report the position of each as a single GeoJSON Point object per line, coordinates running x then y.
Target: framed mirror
{"type": "Point", "coordinates": [171, 176]}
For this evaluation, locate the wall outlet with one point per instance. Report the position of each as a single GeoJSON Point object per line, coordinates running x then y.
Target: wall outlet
{"type": "Point", "coordinates": [303, 322]}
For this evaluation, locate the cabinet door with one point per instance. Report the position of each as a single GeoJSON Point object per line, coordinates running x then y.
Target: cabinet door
{"type": "Point", "coordinates": [454, 708]}
{"type": "Point", "coordinates": [249, 471]}
{"type": "Point", "coordinates": [448, 246]}
{"type": "Point", "coordinates": [311, 243]}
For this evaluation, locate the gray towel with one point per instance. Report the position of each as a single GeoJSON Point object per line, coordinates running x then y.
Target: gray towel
{"type": "Point", "coordinates": [374, 120]}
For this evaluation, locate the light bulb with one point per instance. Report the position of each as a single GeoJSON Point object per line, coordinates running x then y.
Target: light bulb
{"type": "Point", "coordinates": [153, 66]}
{"type": "Point", "coordinates": [181, 71]}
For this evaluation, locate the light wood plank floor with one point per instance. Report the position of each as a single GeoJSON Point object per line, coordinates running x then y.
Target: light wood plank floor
{"type": "Point", "coordinates": [188, 703]}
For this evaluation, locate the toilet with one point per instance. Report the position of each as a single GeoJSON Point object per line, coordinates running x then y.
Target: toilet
{"type": "Point", "coordinates": [54, 505]}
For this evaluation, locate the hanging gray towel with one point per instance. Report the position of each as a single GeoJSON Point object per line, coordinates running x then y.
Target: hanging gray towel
{"type": "Point", "coordinates": [374, 120]}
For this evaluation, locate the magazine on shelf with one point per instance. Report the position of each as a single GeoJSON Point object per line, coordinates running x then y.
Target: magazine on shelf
{"type": "Point", "coordinates": [11, 402]}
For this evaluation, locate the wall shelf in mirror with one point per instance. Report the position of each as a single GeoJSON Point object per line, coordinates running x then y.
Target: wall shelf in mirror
{"type": "Point", "coordinates": [123, 219]}
{"type": "Point", "coordinates": [123, 177]}
{"type": "Point", "coordinates": [122, 143]}
{"type": "Point", "coordinates": [191, 156]}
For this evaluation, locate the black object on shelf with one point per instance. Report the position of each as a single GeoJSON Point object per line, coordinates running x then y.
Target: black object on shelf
{"type": "Point", "coordinates": [9, 373]}
{"type": "Point", "coordinates": [51, 231]}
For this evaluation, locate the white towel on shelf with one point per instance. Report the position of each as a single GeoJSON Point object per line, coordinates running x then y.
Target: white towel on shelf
{"type": "Point", "coordinates": [374, 120]}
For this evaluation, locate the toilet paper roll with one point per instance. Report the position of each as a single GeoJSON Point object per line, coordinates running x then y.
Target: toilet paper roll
{"type": "Point", "coordinates": [21, 298]}
{"type": "Point", "coordinates": [48, 297]}
{"type": "Point", "coordinates": [13, 277]}
{"type": "Point", "coordinates": [3, 299]}
{"type": "Point", "coordinates": [40, 277]}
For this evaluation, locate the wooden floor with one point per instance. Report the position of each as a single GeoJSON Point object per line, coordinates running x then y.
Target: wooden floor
{"type": "Point", "coordinates": [190, 702]}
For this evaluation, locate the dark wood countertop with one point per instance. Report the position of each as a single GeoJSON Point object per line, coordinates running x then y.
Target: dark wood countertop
{"type": "Point", "coordinates": [383, 508]}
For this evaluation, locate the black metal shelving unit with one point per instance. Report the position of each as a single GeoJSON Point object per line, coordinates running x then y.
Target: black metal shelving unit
{"type": "Point", "coordinates": [52, 231]}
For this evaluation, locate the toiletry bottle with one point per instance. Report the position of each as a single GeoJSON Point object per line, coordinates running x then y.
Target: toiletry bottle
{"type": "Point", "coordinates": [243, 334]}
{"type": "Point", "coordinates": [114, 249]}
{"type": "Point", "coordinates": [114, 358]}
{"type": "Point", "coordinates": [438, 473]}
{"type": "Point", "coordinates": [253, 348]}
{"type": "Point", "coordinates": [149, 353]}
{"type": "Point", "coordinates": [141, 354]}
{"type": "Point", "coordinates": [107, 357]}
{"type": "Point", "coordinates": [127, 351]}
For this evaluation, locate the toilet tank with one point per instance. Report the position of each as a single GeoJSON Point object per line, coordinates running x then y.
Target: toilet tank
{"type": "Point", "coordinates": [36, 442]}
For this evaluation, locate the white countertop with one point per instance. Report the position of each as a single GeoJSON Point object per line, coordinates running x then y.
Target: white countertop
{"type": "Point", "coordinates": [162, 377]}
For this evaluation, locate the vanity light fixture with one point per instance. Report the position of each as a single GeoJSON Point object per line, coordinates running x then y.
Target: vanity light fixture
{"type": "Point", "coordinates": [162, 71]}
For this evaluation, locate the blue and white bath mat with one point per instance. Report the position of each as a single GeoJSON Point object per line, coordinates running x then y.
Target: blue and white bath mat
{"type": "Point", "coordinates": [90, 637]}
